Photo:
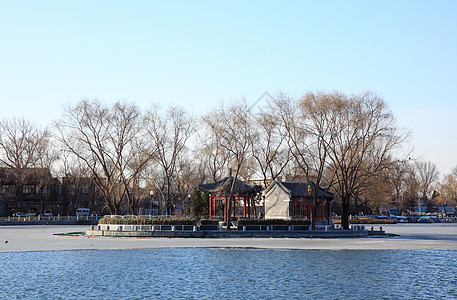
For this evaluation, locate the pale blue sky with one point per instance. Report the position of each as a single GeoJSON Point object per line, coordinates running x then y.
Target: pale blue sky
{"type": "Point", "coordinates": [197, 53]}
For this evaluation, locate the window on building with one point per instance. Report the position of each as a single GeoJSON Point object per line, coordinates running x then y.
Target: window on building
{"type": "Point", "coordinates": [46, 190]}
{"type": "Point", "coordinates": [29, 189]}
{"type": "Point", "coordinates": [85, 190]}
{"type": "Point", "coordinates": [8, 189]}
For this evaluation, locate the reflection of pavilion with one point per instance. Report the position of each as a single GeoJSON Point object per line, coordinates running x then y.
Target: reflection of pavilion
{"type": "Point", "coordinates": [219, 193]}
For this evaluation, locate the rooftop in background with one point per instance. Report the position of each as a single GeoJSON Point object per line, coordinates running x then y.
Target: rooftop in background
{"type": "Point", "coordinates": [226, 184]}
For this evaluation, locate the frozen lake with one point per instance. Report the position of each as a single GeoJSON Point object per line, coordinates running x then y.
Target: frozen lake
{"type": "Point", "coordinates": [41, 238]}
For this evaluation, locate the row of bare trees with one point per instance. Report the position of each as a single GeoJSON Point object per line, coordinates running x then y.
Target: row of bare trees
{"type": "Point", "coordinates": [26, 151]}
{"type": "Point", "coordinates": [349, 144]}
{"type": "Point", "coordinates": [131, 155]}
{"type": "Point", "coordinates": [410, 184]}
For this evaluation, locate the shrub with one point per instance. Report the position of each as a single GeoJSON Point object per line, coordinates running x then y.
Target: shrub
{"type": "Point", "coordinates": [210, 221]}
{"type": "Point", "coordinates": [147, 221]}
{"type": "Point", "coordinates": [273, 222]}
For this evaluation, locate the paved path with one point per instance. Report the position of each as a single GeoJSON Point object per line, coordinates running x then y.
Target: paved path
{"type": "Point", "coordinates": [41, 238]}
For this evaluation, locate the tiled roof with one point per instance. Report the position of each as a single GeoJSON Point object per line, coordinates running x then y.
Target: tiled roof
{"type": "Point", "coordinates": [28, 175]}
{"type": "Point", "coordinates": [225, 185]}
{"type": "Point", "coordinates": [303, 189]}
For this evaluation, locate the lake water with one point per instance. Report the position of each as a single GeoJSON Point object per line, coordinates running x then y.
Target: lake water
{"type": "Point", "coordinates": [230, 274]}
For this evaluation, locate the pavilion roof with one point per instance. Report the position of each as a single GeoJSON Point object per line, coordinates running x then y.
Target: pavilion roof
{"type": "Point", "coordinates": [301, 189]}
{"type": "Point", "coordinates": [226, 184]}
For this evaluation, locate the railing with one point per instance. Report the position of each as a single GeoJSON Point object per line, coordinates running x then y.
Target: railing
{"type": "Point", "coordinates": [152, 217]}
{"type": "Point", "coordinates": [31, 218]}
{"type": "Point", "coordinates": [119, 227]}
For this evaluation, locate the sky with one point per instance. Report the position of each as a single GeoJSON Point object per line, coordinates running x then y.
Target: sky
{"type": "Point", "coordinates": [196, 54]}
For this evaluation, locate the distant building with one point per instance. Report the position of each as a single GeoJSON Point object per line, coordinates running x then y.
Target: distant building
{"type": "Point", "coordinates": [27, 190]}
{"type": "Point", "coordinates": [293, 200]}
{"type": "Point", "coordinates": [261, 181]}
{"type": "Point", "coordinates": [266, 182]}
{"type": "Point", "coordinates": [78, 192]}
{"type": "Point", "coordinates": [35, 190]}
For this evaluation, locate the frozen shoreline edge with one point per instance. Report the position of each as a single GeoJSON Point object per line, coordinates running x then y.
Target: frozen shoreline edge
{"type": "Point", "coordinates": [41, 238]}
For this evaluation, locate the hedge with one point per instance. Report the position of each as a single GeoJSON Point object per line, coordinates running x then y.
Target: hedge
{"type": "Point", "coordinates": [273, 222]}
{"type": "Point", "coordinates": [193, 221]}
{"type": "Point", "coordinates": [147, 221]}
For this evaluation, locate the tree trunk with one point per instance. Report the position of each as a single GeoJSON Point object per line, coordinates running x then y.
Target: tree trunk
{"type": "Point", "coordinates": [313, 214]}
{"type": "Point", "coordinates": [345, 214]}
{"type": "Point", "coordinates": [229, 204]}
{"type": "Point", "coordinates": [168, 201]}
{"type": "Point", "coordinates": [229, 209]}
{"type": "Point", "coordinates": [253, 211]}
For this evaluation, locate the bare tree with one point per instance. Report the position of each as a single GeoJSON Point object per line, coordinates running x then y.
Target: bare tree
{"type": "Point", "coordinates": [232, 126]}
{"type": "Point", "coordinates": [427, 175]}
{"type": "Point", "coordinates": [212, 154]}
{"type": "Point", "coordinates": [374, 194]}
{"type": "Point", "coordinates": [270, 149]}
{"type": "Point", "coordinates": [107, 142]}
{"type": "Point", "coordinates": [399, 172]}
{"type": "Point", "coordinates": [188, 177]}
{"type": "Point", "coordinates": [364, 138]}
{"type": "Point", "coordinates": [448, 188]}
{"type": "Point", "coordinates": [24, 147]}
{"type": "Point", "coordinates": [308, 124]}
{"type": "Point", "coordinates": [169, 135]}
{"type": "Point", "coordinates": [454, 172]}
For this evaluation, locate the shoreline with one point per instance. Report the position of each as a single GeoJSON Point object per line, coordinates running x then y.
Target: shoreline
{"type": "Point", "coordinates": [36, 238]}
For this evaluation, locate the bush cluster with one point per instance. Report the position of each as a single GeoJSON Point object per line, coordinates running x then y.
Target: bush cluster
{"type": "Point", "coordinates": [192, 221]}
{"type": "Point", "coordinates": [273, 222]}
{"type": "Point", "coordinates": [147, 221]}
{"type": "Point", "coordinates": [210, 221]}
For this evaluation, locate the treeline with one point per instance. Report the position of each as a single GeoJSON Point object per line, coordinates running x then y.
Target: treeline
{"type": "Point", "coordinates": [347, 143]}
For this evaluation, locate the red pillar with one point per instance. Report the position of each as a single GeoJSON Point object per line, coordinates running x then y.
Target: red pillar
{"type": "Point", "coordinates": [329, 215]}
{"type": "Point", "coordinates": [244, 211]}
{"type": "Point", "coordinates": [225, 209]}
{"type": "Point", "coordinates": [210, 207]}
{"type": "Point", "coordinates": [249, 206]}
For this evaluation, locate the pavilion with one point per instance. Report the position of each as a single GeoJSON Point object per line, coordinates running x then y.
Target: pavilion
{"type": "Point", "coordinates": [219, 192]}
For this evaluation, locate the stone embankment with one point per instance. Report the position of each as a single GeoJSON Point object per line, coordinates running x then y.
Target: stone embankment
{"type": "Point", "coordinates": [260, 231]}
